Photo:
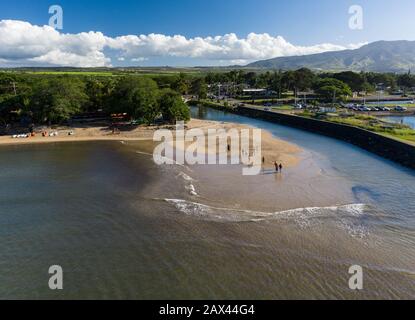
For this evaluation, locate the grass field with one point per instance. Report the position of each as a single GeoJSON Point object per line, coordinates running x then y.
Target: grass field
{"type": "Point", "coordinates": [283, 107]}
{"type": "Point", "coordinates": [72, 73]}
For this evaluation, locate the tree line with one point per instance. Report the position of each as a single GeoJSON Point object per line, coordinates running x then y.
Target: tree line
{"type": "Point", "coordinates": [56, 98]}
{"type": "Point", "coordinates": [51, 98]}
{"type": "Point", "coordinates": [326, 84]}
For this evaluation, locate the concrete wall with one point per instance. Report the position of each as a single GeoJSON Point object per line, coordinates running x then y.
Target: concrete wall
{"type": "Point", "coordinates": [383, 146]}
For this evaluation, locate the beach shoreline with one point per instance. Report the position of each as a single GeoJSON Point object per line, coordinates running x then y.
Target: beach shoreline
{"type": "Point", "coordinates": [273, 149]}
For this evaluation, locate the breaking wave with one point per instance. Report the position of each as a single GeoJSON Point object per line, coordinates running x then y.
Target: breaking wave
{"type": "Point", "coordinates": [349, 217]}
{"type": "Point", "coordinates": [189, 183]}
{"type": "Point", "coordinates": [192, 190]}
{"type": "Point", "coordinates": [185, 176]}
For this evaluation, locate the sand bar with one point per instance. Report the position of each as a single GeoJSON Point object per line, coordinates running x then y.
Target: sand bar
{"type": "Point", "coordinates": [273, 149]}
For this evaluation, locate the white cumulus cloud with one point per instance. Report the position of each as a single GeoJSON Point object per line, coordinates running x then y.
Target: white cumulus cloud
{"type": "Point", "coordinates": [22, 43]}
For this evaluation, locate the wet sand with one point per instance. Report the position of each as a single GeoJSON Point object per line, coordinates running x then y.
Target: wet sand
{"type": "Point", "coordinates": [273, 149]}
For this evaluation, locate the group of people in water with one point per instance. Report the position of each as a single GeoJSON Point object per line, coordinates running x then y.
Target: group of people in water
{"type": "Point", "coordinates": [278, 166]}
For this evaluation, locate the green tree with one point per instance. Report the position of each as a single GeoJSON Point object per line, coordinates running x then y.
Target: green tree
{"type": "Point", "coordinates": [330, 88]}
{"type": "Point", "coordinates": [388, 80]}
{"type": "Point", "coordinates": [276, 83]}
{"type": "Point", "coordinates": [367, 87]}
{"type": "Point", "coordinates": [172, 106]}
{"type": "Point", "coordinates": [98, 91]}
{"type": "Point", "coordinates": [288, 80]}
{"type": "Point", "coordinates": [251, 79]}
{"type": "Point", "coordinates": [57, 99]}
{"type": "Point", "coordinates": [406, 81]}
{"type": "Point", "coordinates": [199, 88]}
{"type": "Point", "coordinates": [354, 80]}
{"type": "Point", "coordinates": [137, 96]}
{"type": "Point", "coordinates": [303, 79]}
{"type": "Point", "coordinates": [181, 84]}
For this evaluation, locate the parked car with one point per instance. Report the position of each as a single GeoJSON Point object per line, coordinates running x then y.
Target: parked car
{"type": "Point", "coordinates": [384, 109]}
{"type": "Point", "coordinates": [400, 109]}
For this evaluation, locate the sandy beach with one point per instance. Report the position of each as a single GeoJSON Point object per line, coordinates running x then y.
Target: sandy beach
{"type": "Point", "coordinates": [273, 149]}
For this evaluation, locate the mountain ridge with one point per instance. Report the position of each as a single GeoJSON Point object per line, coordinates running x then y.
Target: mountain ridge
{"type": "Point", "coordinates": [380, 56]}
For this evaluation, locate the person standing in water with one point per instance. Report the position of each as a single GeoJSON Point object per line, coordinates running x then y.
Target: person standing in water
{"type": "Point", "coordinates": [280, 166]}
{"type": "Point", "coordinates": [276, 166]}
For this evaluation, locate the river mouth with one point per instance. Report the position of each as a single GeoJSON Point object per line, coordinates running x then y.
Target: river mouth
{"type": "Point", "coordinates": [123, 228]}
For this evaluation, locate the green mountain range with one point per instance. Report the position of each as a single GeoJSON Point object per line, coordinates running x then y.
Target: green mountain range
{"type": "Point", "coordinates": [380, 56]}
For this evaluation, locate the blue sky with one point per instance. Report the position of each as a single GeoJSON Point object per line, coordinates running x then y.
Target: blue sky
{"type": "Point", "coordinates": [302, 23]}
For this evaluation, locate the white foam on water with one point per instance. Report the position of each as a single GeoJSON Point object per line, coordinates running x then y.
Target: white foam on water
{"type": "Point", "coordinates": [189, 183]}
{"type": "Point", "coordinates": [144, 153]}
{"type": "Point", "coordinates": [185, 176]}
{"type": "Point", "coordinates": [345, 215]}
{"type": "Point", "coordinates": [192, 190]}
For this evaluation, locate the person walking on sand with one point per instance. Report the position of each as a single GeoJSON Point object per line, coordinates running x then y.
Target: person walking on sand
{"type": "Point", "coordinates": [276, 166]}
{"type": "Point", "coordinates": [280, 166]}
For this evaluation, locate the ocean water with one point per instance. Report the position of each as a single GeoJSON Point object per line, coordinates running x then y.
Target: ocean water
{"type": "Point", "coordinates": [123, 228]}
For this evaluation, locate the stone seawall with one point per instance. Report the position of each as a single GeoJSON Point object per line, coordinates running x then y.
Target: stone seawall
{"type": "Point", "coordinates": [394, 150]}
{"type": "Point", "coordinates": [391, 149]}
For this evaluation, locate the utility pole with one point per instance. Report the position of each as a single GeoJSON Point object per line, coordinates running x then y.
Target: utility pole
{"type": "Point", "coordinates": [295, 95]}
{"type": "Point", "coordinates": [379, 92]}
